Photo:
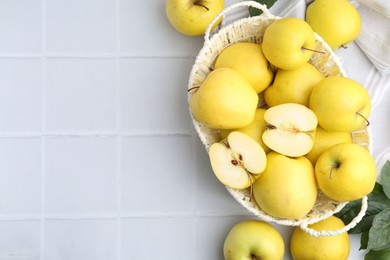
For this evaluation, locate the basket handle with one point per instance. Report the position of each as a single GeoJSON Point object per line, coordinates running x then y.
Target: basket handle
{"type": "Point", "coordinates": [254, 4]}
{"type": "Point", "coordinates": [349, 226]}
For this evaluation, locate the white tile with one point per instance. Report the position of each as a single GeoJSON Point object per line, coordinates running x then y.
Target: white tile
{"type": "Point", "coordinates": [154, 99]}
{"type": "Point", "coordinates": [87, 26]}
{"type": "Point", "coordinates": [19, 240]}
{"type": "Point", "coordinates": [21, 171]}
{"type": "Point", "coordinates": [21, 95]}
{"type": "Point", "coordinates": [81, 95]}
{"type": "Point", "coordinates": [157, 175]}
{"type": "Point", "coordinates": [211, 195]}
{"type": "Point", "coordinates": [146, 30]}
{"type": "Point", "coordinates": [80, 175]}
{"type": "Point", "coordinates": [20, 26]}
{"type": "Point", "coordinates": [211, 233]}
{"type": "Point", "coordinates": [159, 238]}
{"type": "Point", "coordinates": [80, 239]}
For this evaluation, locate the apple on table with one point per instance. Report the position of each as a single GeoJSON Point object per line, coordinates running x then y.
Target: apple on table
{"type": "Point", "coordinates": [191, 17]}
{"type": "Point", "coordinates": [253, 239]}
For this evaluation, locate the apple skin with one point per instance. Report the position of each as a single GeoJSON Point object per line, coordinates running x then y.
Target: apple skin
{"type": "Point", "coordinates": [284, 41]}
{"type": "Point", "coordinates": [254, 129]}
{"type": "Point", "coordinates": [248, 59]}
{"type": "Point", "coordinates": [293, 86]}
{"type": "Point", "coordinates": [323, 140]}
{"type": "Point", "coordinates": [346, 172]}
{"type": "Point", "coordinates": [253, 239]}
{"type": "Point", "coordinates": [225, 100]}
{"type": "Point", "coordinates": [336, 21]}
{"type": "Point", "coordinates": [287, 188]}
{"type": "Point", "coordinates": [341, 104]}
{"type": "Point", "coordinates": [305, 246]}
{"type": "Point", "coordinates": [191, 17]}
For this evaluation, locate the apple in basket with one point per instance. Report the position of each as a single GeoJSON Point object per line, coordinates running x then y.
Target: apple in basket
{"type": "Point", "coordinates": [237, 160]}
{"type": "Point", "coordinates": [254, 129]}
{"type": "Point", "coordinates": [346, 172]}
{"type": "Point", "coordinates": [290, 129]}
{"type": "Point", "coordinates": [292, 86]}
{"type": "Point", "coordinates": [323, 140]}
{"type": "Point", "coordinates": [288, 43]}
{"type": "Point", "coordinates": [340, 103]}
{"type": "Point", "coordinates": [248, 59]}
{"type": "Point", "coordinates": [253, 239]}
{"type": "Point", "coordinates": [191, 17]}
{"type": "Point", "coordinates": [224, 100]}
{"type": "Point", "coordinates": [287, 187]}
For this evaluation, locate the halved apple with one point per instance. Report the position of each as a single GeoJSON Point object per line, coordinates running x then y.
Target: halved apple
{"type": "Point", "coordinates": [237, 160]}
{"type": "Point", "coordinates": [290, 129]}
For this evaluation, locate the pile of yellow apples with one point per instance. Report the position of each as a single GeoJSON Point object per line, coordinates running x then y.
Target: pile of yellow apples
{"type": "Point", "coordinates": [285, 128]}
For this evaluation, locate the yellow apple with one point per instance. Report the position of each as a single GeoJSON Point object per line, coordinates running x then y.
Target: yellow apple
{"type": "Point", "coordinates": [248, 59]}
{"type": "Point", "coordinates": [288, 43]}
{"type": "Point", "coordinates": [336, 21]}
{"type": "Point", "coordinates": [305, 246]}
{"type": "Point", "coordinates": [254, 129]}
{"type": "Point", "coordinates": [290, 129]}
{"type": "Point", "coordinates": [287, 187]}
{"type": "Point", "coordinates": [224, 100]}
{"type": "Point", "coordinates": [292, 86]}
{"type": "Point", "coordinates": [191, 17]}
{"type": "Point", "coordinates": [237, 160]}
{"type": "Point", "coordinates": [346, 172]}
{"type": "Point", "coordinates": [341, 104]}
{"type": "Point", "coordinates": [253, 239]}
{"type": "Point", "coordinates": [323, 140]}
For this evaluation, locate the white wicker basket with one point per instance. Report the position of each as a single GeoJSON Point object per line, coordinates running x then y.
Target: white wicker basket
{"type": "Point", "coordinates": [251, 29]}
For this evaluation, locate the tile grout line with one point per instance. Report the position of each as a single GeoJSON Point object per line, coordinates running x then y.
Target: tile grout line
{"type": "Point", "coordinates": [44, 125]}
{"type": "Point", "coordinates": [194, 193]}
{"type": "Point", "coordinates": [119, 138]}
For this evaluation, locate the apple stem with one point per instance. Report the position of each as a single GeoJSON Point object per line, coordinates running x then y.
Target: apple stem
{"type": "Point", "coordinates": [304, 48]}
{"type": "Point", "coordinates": [344, 46]}
{"type": "Point", "coordinates": [198, 3]}
{"type": "Point", "coordinates": [330, 174]}
{"type": "Point", "coordinates": [191, 89]}
{"type": "Point", "coordinates": [365, 119]}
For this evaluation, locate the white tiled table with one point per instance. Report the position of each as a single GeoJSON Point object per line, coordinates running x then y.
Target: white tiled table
{"type": "Point", "coordinates": [98, 156]}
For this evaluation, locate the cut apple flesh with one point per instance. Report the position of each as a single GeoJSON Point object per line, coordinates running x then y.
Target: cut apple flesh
{"type": "Point", "coordinates": [290, 129]}
{"type": "Point", "coordinates": [236, 160]}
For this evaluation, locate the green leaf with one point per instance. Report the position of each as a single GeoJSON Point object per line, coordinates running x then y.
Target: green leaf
{"type": "Point", "coordinates": [379, 234]}
{"type": "Point", "coordinates": [378, 255]}
{"type": "Point", "coordinates": [254, 11]}
{"type": "Point", "coordinates": [364, 241]}
{"type": "Point", "coordinates": [385, 178]}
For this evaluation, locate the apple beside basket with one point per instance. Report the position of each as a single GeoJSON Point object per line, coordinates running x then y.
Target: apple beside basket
{"type": "Point", "coordinates": [251, 29]}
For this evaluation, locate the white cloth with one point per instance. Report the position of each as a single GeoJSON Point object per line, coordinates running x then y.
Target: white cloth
{"type": "Point", "coordinates": [374, 37]}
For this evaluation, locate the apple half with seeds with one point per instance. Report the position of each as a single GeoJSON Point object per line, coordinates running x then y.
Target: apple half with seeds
{"type": "Point", "coordinates": [237, 160]}
{"type": "Point", "coordinates": [290, 129]}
